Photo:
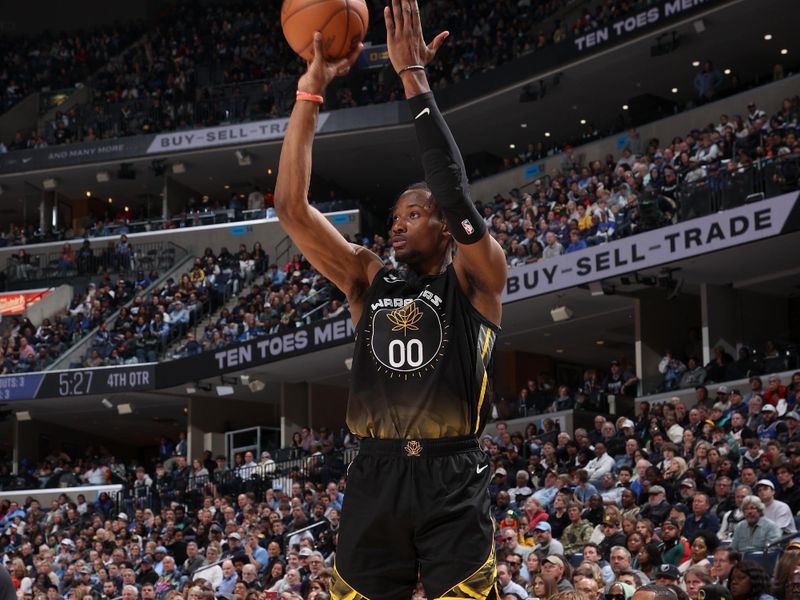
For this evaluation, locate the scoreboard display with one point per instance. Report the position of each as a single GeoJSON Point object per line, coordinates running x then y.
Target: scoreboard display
{"type": "Point", "coordinates": [82, 382]}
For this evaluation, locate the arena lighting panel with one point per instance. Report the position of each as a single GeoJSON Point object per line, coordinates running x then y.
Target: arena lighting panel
{"type": "Point", "coordinates": [245, 160]}
{"type": "Point", "coordinates": [256, 385]}
{"type": "Point", "coordinates": [50, 183]}
{"type": "Point", "coordinates": [103, 176]}
{"type": "Point", "coordinates": [24, 415]}
{"type": "Point", "coordinates": [561, 313]}
{"type": "Point", "coordinates": [125, 409]}
{"type": "Point", "coordinates": [178, 169]}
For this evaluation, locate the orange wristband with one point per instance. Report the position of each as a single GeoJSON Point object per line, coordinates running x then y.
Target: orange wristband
{"type": "Point", "coordinates": [315, 98]}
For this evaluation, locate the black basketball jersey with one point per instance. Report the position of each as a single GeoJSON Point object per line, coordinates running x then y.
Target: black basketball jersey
{"type": "Point", "coordinates": [422, 360]}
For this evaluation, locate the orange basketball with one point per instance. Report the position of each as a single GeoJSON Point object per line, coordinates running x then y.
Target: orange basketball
{"type": "Point", "coordinates": [342, 23]}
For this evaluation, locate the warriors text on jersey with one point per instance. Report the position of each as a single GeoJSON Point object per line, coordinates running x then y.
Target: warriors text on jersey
{"type": "Point", "coordinates": [422, 361]}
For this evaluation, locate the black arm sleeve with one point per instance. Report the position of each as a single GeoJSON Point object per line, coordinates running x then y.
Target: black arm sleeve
{"type": "Point", "coordinates": [445, 173]}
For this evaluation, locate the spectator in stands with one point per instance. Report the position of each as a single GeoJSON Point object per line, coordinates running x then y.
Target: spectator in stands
{"type": "Point", "coordinates": [748, 581]}
{"type": "Point", "coordinates": [702, 517]}
{"type": "Point", "coordinates": [755, 531]}
{"type": "Point", "coordinates": [776, 511]}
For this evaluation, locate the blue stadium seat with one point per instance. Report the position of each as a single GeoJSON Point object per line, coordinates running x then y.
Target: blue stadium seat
{"type": "Point", "coordinates": [765, 559]}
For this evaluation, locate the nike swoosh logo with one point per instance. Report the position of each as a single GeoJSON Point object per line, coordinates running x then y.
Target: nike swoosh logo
{"type": "Point", "coordinates": [26, 160]}
{"type": "Point", "coordinates": [484, 467]}
{"type": "Point", "coordinates": [424, 111]}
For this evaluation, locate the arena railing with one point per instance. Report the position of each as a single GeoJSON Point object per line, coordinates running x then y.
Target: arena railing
{"type": "Point", "coordinates": [176, 265]}
{"type": "Point", "coordinates": [191, 490]}
{"type": "Point", "coordinates": [48, 268]}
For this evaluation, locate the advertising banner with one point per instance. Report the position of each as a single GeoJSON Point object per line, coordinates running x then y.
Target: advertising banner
{"type": "Point", "coordinates": [16, 303]}
{"type": "Point", "coordinates": [749, 223]}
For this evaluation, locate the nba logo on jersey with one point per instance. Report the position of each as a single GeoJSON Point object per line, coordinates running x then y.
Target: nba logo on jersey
{"type": "Point", "coordinates": [467, 226]}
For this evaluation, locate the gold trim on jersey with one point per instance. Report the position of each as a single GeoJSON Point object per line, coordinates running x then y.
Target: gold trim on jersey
{"type": "Point", "coordinates": [477, 586]}
{"type": "Point", "coordinates": [485, 342]}
{"type": "Point", "coordinates": [341, 590]}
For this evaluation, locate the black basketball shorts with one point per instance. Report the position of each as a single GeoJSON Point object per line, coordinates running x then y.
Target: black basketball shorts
{"type": "Point", "coordinates": [416, 508]}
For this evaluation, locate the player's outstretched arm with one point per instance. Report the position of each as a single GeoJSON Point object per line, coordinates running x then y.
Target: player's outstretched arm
{"type": "Point", "coordinates": [480, 261]}
{"type": "Point", "coordinates": [350, 267]}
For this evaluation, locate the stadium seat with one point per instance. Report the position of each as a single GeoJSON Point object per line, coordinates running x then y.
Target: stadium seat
{"type": "Point", "coordinates": [765, 559]}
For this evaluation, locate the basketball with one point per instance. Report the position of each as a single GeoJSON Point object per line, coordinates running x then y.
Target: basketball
{"type": "Point", "coordinates": [342, 23]}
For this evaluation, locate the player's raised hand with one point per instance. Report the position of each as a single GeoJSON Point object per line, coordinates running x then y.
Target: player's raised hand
{"type": "Point", "coordinates": [404, 36]}
{"type": "Point", "coordinates": [322, 71]}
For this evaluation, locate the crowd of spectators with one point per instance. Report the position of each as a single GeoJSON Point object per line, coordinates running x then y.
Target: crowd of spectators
{"type": "Point", "coordinates": [585, 202]}
{"type": "Point", "coordinates": [685, 370]}
{"type": "Point", "coordinates": [201, 64]}
{"type": "Point", "coordinates": [26, 347]}
{"type": "Point", "coordinates": [148, 322]}
{"type": "Point", "coordinates": [57, 61]}
{"type": "Point", "coordinates": [699, 498]}
{"type": "Point", "coordinates": [282, 298]}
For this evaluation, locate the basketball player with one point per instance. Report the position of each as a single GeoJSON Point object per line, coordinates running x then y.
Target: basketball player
{"type": "Point", "coordinates": [416, 502]}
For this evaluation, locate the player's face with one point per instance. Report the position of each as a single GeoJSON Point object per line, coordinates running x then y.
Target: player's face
{"type": "Point", "coordinates": [417, 231]}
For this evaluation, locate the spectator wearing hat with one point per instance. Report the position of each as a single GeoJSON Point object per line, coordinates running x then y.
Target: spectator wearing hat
{"type": "Point", "coordinates": [687, 490]}
{"type": "Point", "coordinates": [545, 544]}
{"type": "Point", "coordinates": [498, 483]}
{"type": "Point", "coordinates": [737, 404]}
{"type": "Point", "coordinates": [771, 428]}
{"type": "Point", "coordinates": [788, 491]}
{"type": "Point", "coordinates": [755, 532]}
{"type": "Point", "coordinates": [657, 507]}
{"type": "Point", "coordinates": [575, 535]}
{"type": "Point", "coordinates": [612, 535]}
{"type": "Point", "coordinates": [776, 511]}
{"type": "Point", "coordinates": [556, 567]}
{"type": "Point", "coordinates": [159, 553]}
{"type": "Point", "coordinates": [667, 574]}
{"type": "Point", "coordinates": [702, 517]}
{"type": "Point", "coordinates": [146, 573]}
{"type": "Point", "coordinates": [620, 382]}
{"type": "Point", "coordinates": [674, 547]}
{"type": "Point", "coordinates": [792, 435]}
